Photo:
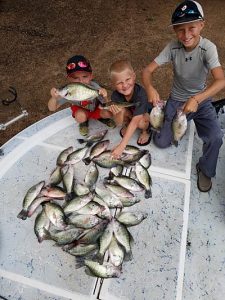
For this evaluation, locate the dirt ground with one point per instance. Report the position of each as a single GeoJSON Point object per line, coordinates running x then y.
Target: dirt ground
{"type": "Point", "coordinates": [37, 38]}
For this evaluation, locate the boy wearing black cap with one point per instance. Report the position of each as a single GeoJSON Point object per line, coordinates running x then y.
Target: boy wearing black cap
{"type": "Point", "coordinates": [78, 69]}
{"type": "Point", "coordinates": [192, 57]}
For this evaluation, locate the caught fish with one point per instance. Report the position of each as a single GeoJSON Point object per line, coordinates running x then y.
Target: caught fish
{"type": "Point", "coordinates": [77, 203]}
{"type": "Point", "coordinates": [96, 150]}
{"type": "Point", "coordinates": [91, 139]}
{"type": "Point", "coordinates": [92, 208]}
{"type": "Point", "coordinates": [118, 190]}
{"type": "Point", "coordinates": [56, 215]}
{"type": "Point", "coordinates": [105, 240]}
{"type": "Point", "coordinates": [67, 172]}
{"type": "Point", "coordinates": [91, 176]}
{"type": "Point", "coordinates": [122, 235]}
{"type": "Point", "coordinates": [130, 149]}
{"type": "Point", "coordinates": [131, 218]}
{"type": "Point", "coordinates": [115, 171]}
{"type": "Point", "coordinates": [41, 224]}
{"type": "Point", "coordinates": [76, 155]}
{"type": "Point", "coordinates": [35, 204]}
{"type": "Point", "coordinates": [55, 192]}
{"type": "Point", "coordinates": [106, 270]}
{"type": "Point", "coordinates": [82, 249]}
{"type": "Point", "coordinates": [63, 156]}
{"type": "Point", "coordinates": [31, 194]}
{"type": "Point", "coordinates": [83, 221]}
{"type": "Point", "coordinates": [157, 116]}
{"type": "Point", "coordinates": [108, 198]}
{"type": "Point", "coordinates": [55, 177]}
{"type": "Point", "coordinates": [144, 178]}
{"type": "Point", "coordinates": [120, 104]}
{"type": "Point", "coordinates": [105, 160]}
{"type": "Point", "coordinates": [63, 237]}
{"type": "Point", "coordinates": [105, 213]}
{"type": "Point", "coordinates": [80, 189]}
{"type": "Point", "coordinates": [128, 183]}
{"type": "Point", "coordinates": [126, 202]}
{"type": "Point", "coordinates": [132, 158]}
{"type": "Point", "coordinates": [179, 126]}
{"type": "Point", "coordinates": [76, 92]}
{"type": "Point", "coordinates": [146, 160]}
{"type": "Point", "coordinates": [116, 252]}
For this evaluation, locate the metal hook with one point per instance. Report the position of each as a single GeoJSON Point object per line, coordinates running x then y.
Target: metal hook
{"type": "Point", "coordinates": [13, 91]}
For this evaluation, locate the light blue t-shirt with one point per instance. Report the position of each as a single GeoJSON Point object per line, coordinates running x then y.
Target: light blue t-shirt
{"type": "Point", "coordinates": [190, 68]}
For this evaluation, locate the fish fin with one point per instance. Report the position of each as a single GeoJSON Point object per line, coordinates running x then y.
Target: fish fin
{"type": "Point", "coordinates": [81, 141]}
{"type": "Point", "coordinates": [148, 194]}
{"type": "Point", "coordinates": [128, 256]}
{"type": "Point", "coordinates": [175, 143]}
{"type": "Point", "coordinates": [88, 272]}
{"type": "Point", "coordinates": [69, 196]}
{"type": "Point", "coordinates": [86, 160]}
{"type": "Point", "coordinates": [23, 214]}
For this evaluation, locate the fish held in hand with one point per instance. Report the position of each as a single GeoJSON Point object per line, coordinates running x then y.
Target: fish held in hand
{"type": "Point", "coordinates": [76, 92]}
{"type": "Point", "coordinates": [157, 116]}
{"type": "Point", "coordinates": [179, 126]}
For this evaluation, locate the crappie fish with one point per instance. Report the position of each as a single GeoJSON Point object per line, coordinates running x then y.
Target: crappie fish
{"type": "Point", "coordinates": [105, 160]}
{"type": "Point", "coordinates": [126, 202]}
{"type": "Point", "coordinates": [118, 190]}
{"type": "Point", "coordinates": [41, 224]}
{"type": "Point", "coordinates": [63, 237]}
{"type": "Point", "coordinates": [131, 218]}
{"type": "Point", "coordinates": [82, 249]}
{"type": "Point", "coordinates": [76, 92]}
{"type": "Point", "coordinates": [67, 173]}
{"type": "Point", "coordinates": [157, 116]}
{"type": "Point", "coordinates": [179, 127]}
{"type": "Point", "coordinates": [108, 198]}
{"type": "Point", "coordinates": [132, 158]}
{"type": "Point", "coordinates": [80, 189]}
{"type": "Point", "coordinates": [122, 235]}
{"type": "Point", "coordinates": [146, 160]}
{"type": "Point", "coordinates": [144, 178]}
{"type": "Point", "coordinates": [31, 194]}
{"type": "Point", "coordinates": [55, 177]}
{"type": "Point", "coordinates": [106, 270]}
{"type": "Point", "coordinates": [96, 150]}
{"type": "Point", "coordinates": [104, 214]}
{"type": "Point", "coordinates": [121, 104]}
{"type": "Point", "coordinates": [91, 176]}
{"type": "Point", "coordinates": [77, 203]}
{"type": "Point", "coordinates": [128, 183]}
{"type": "Point", "coordinates": [116, 252]}
{"type": "Point", "coordinates": [76, 156]}
{"type": "Point", "coordinates": [63, 156]}
{"type": "Point", "coordinates": [105, 240]}
{"type": "Point", "coordinates": [83, 221]}
{"type": "Point", "coordinates": [96, 137]}
{"type": "Point", "coordinates": [56, 215]}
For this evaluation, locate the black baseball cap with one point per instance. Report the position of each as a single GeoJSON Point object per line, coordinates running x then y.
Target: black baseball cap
{"type": "Point", "coordinates": [78, 63]}
{"type": "Point", "coordinates": [187, 12]}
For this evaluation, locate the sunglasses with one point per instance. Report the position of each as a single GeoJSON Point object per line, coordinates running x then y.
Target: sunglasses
{"type": "Point", "coordinates": [81, 64]}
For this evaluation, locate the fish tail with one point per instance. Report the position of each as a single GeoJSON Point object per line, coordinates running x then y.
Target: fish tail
{"type": "Point", "coordinates": [23, 214]}
{"type": "Point", "coordinates": [175, 143]}
{"type": "Point", "coordinates": [148, 194]}
{"type": "Point", "coordinates": [128, 256]}
{"type": "Point", "coordinates": [69, 196]}
{"type": "Point", "coordinates": [89, 143]}
{"type": "Point", "coordinates": [87, 160]}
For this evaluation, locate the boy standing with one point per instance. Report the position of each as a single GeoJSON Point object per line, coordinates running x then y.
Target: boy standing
{"type": "Point", "coordinates": [192, 57]}
{"type": "Point", "coordinates": [123, 80]}
{"type": "Point", "coordinates": [78, 69]}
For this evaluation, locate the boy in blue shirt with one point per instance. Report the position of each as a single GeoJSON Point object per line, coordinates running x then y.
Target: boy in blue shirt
{"type": "Point", "coordinates": [192, 57]}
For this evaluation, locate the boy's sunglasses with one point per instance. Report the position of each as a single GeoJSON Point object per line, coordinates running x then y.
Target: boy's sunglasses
{"type": "Point", "coordinates": [81, 64]}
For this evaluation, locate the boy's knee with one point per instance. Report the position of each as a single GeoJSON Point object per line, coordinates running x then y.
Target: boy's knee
{"type": "Point", "coordinates": [80, 116]}
{"type": "Point", "coordinates": [144, 122]}
{"type": "Point", "coordinates": [161, 142]}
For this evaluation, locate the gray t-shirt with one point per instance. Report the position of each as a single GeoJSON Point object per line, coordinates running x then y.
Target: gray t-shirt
{"type": "Point", "coordinates": [91, 105]}
{"type": "Point", "coordinates": [190, 68]}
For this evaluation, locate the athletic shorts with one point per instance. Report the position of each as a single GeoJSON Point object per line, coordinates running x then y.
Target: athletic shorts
{"type": "Point", "coordinates": [95, 114]}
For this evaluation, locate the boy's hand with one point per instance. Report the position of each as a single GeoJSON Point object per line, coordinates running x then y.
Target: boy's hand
{"type": "Point", "coordinates": [115, 109]}
{"type": "Point", "coordinates": [190, 106]}
{"type": "Point", "coordinates": [103, 93]}
{"type": "Point", "coordinates": [153, 96]}
{"type": "Point", "coordinates": [116, 153]}
{"type": "Point", "coordinates": [55, 93]}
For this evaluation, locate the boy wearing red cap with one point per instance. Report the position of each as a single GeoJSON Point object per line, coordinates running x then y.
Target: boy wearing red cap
{"type": "Point", "coordinates": [192, 58]}
{"type": "Point", "coordinates": [78, 69]}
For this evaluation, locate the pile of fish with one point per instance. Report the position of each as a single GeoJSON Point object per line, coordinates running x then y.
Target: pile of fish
{"type": "Point", "coordinates": [87, 219]}
{"type": "Point", "coordinates": [179, 123]}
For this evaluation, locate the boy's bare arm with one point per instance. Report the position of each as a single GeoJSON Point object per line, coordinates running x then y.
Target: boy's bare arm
{"type": "Point", "coordinates": [153, 95]}
{"type": "Point", "coordinates": [53, 101]}
{"type": "Point", "coordinates": [129, 132]}
{"type": "Point", "coordinates": [217, 85]}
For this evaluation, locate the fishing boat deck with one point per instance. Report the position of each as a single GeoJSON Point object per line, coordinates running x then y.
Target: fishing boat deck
{"type": "Point", "coordinates": [178, 251]}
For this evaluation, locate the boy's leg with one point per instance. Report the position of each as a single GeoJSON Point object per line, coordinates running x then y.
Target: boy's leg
{"type": "Point", "coordinates": [81, 117]}
{"type": "Point", "coordinates": [164, 138]}
{"type": "Point", "coordinates": [145, 135]}
{"type": "Point", "coordinates": [208, 128]}
{"type": "Point", "coordinates": [106, 117]}
{"type": "Point", "coordinates": [123, 118]}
